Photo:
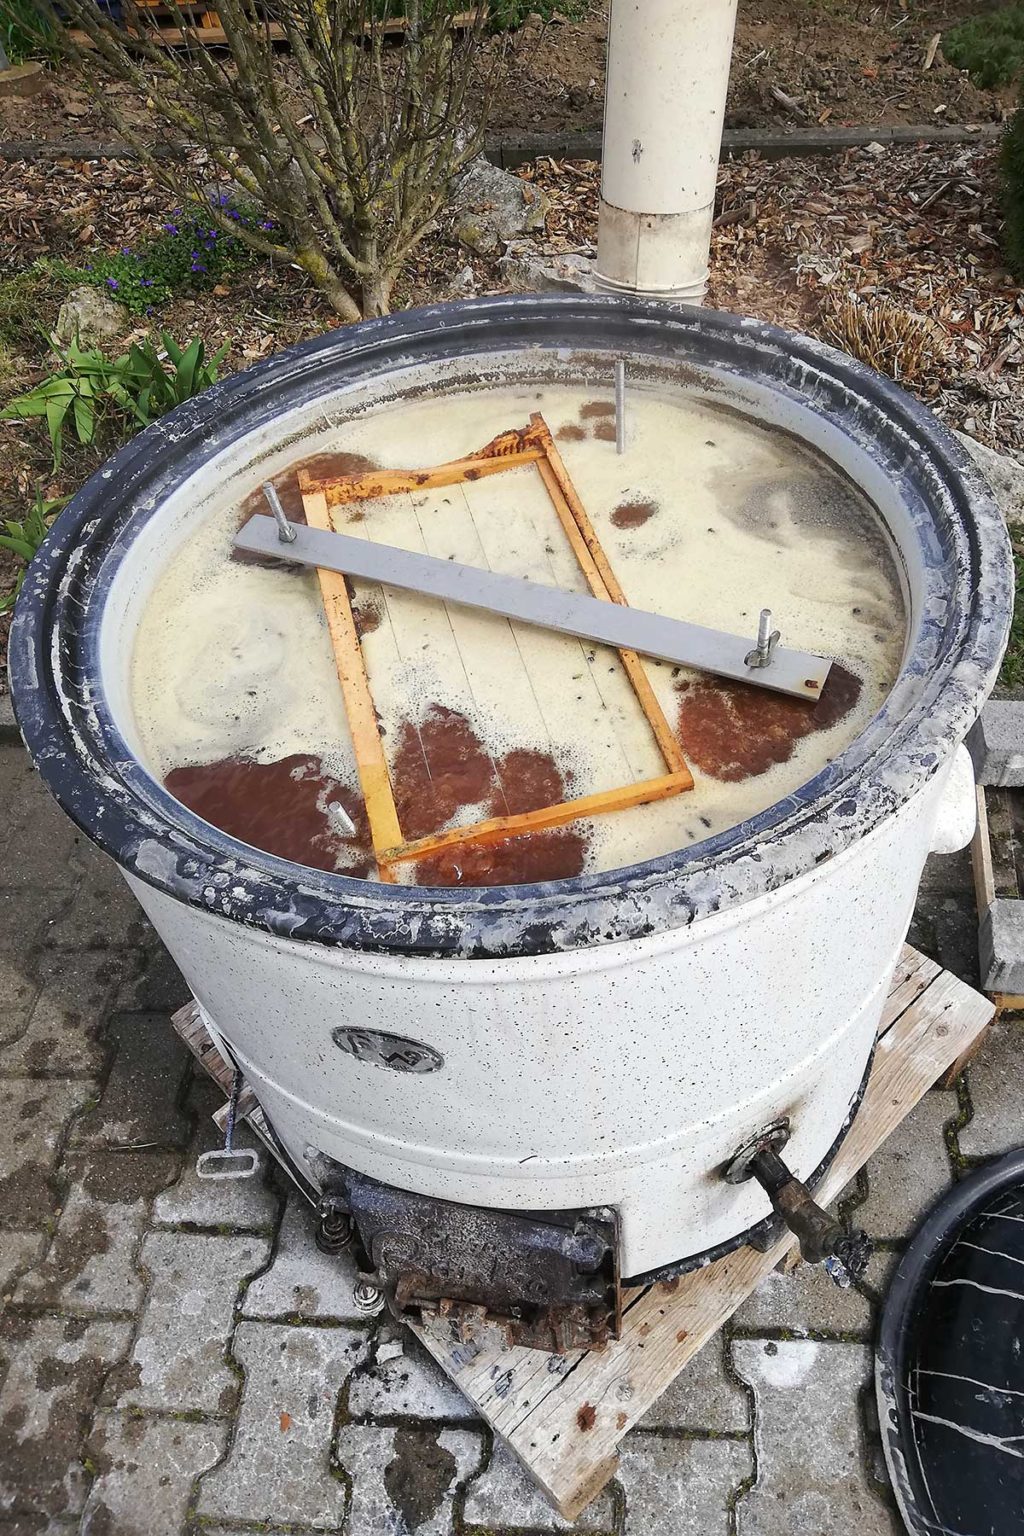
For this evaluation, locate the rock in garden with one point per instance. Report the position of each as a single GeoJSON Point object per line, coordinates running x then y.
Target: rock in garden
{"type": "Point", "coordinates": [1005, 476]}
{"type": "Point", "coordinates": [494, 206]}
{"type": "Point", "coordinates": [91, 315]}
{"type": "Point", "coordinates": [526, 269]}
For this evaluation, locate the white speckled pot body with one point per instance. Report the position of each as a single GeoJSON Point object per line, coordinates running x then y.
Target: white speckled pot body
{"type": "Point", "coordinates": [607, 1040]}
{"type": "Point", "coordinates": [620, 1075]}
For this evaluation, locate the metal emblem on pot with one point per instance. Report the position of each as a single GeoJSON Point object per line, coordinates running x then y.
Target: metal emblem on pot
{"type": "Point", "coordinates": [381, 1049]}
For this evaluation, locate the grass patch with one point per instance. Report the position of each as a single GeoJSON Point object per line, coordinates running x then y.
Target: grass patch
{"type": "Point", "coordinates": [1012, 673]}
{"type": "Point", "coordinates": [26, 300]}
{"type": "Point", "coordinates": [990, 47]}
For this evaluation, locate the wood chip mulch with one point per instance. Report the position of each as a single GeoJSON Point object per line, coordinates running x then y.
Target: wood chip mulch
{"type": "Point", "coordinates": [823, 244]}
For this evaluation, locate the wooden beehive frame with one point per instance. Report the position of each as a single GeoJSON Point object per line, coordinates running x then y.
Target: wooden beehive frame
{"type": "Point", "coordinates": [530, 445]}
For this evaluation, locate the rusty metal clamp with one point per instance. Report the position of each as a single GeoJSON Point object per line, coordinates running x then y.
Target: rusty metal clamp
{"type": "Point", "coordinates": [229, 1162]}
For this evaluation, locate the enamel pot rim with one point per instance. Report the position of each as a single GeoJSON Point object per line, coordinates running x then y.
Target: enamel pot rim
{"type": "Point", "coordinates": [961, 549]}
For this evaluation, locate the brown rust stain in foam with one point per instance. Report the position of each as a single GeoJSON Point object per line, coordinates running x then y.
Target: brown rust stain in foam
{"type": "Point", "coordinates": [322, 466]}
{"type": "Point", "coordinates": [633, 514]}
{"type": "Point", "coordinates": [597, 408]}
{"type": "Point", "coordinates": [441, 766]}
{"type": "Point", "coordinates": [280, 807]}
{"type": "Point", "coordinates": [735, 731]}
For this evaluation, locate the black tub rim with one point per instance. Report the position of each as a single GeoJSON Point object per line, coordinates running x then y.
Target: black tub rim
{"type": "Point", "coordinates": [87, 766]}
{"type": "Point", "coordinates": [911, 1277]}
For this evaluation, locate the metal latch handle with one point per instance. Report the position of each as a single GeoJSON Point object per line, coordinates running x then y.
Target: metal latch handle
{"type": "Point", "coordinates": [229, 1162]}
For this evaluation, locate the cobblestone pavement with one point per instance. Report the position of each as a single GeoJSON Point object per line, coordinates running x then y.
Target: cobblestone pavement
{"type": "Point", "coordinates": [176, 1357]}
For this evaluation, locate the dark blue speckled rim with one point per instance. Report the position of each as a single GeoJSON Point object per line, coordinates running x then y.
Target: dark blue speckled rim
{"type": "Point", "coordinates": [962, 550]}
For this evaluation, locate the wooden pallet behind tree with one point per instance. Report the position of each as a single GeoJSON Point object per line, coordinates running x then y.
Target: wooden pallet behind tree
{"type": "Point", "coordinates": [206, 26]}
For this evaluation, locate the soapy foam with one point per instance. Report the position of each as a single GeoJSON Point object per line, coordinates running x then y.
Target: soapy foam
{"type": "Point", "coordinates": [722, 517]}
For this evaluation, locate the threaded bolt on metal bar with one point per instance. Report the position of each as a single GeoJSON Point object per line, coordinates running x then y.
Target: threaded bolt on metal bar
{"type": "Point", "coordinates": [767, 640]}
{"type": "Point", "coordinates": [285, 531]}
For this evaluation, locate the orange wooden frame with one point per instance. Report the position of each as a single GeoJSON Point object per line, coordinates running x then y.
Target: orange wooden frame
{"type": "Point", "coordinates": [533, 444]}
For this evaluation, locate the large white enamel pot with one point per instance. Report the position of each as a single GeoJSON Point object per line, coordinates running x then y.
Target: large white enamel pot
{"type": "Point", "coordinates": [604, 1040]}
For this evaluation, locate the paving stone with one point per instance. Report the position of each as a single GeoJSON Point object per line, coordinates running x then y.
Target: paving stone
{"type": "Point", "coordinates": [239, 1203]}
{"type": "Point", "coordinates": [139, 1102]}
{"type": "Point", "coordinates": [177, 1360]}
{"type": "Point", "coordinates": [909, 1171]}
{"type": "Point", "coordinates": [38, 840]}
{"type": "Point", "coordinates": [279, 1468]}
{"type": "Point", "coordinates": [103, 913]}
{"type": "Point", "coordinates": [56, 1367]}
{"type": "Point", "coordinates": [405, 1480]}
{"type": "Point", "coordinates": [24, 918]}
{"type": "Point", "coordinates": [995, 1079]}
{"type": "Point", "coordinates": [159, 988]}
{"type": "Point", "coordinates": [34, 1117]}
{"type": "Point", "coordinates": [682, 1487]}
{"type": "Point", "coordinates": [505, 1495]}
{"type": "Point", "coordinates": [809, 1440]}
{"type": "Point", "coordinates": [18, 1252]}
{"type": "Point", "coordinates": [410, 1385]}
{"type": "Point", "coordinates": [63, 1030]}
{"type": "Point", "coordinates": [90, 1265]}
{"type": "Point", "coordinates": [806, 1301]}
{"type": "Point", "coordinates": [145, 1470]}
{"type": "Point", "coordinates": [302, 1282]}
{"type": "Point", "coordinates": [996, 743]}
{"type": "Point", "coordinates": [702, 1397]}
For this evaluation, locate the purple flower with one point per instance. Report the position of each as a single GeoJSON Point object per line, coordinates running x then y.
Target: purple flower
{"type": "Point", "coordinates": [112, 282]}
{"type": "Point", "coordinates": [126, 250]}
{"type": "Point", "coordinates": [145, 282]}
{"type": "Point", "coordinates": [170, 229]}
{"type": "Point", "coordinates": [266, 224]}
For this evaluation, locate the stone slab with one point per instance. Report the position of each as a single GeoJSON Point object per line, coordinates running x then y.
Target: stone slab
{"type": "Point", "coordinates": [302, 1283]}
{"type": "Point", "coordinates": [405, 1479]}
{"type": "Point", "coordinates": [35, 1116]}
{"type": "Point", "coordinates": [279, 1468]}
{"type": "Point", "coordinates": [909, 1171]}
{"type": "Point", "coordinates": [703, 1397]}
{"type": "Point", "coordinates": [145, 1472]}
{"type": "Point", "coordinates": [243, 1204]}
{"type": "Point", "coordinates": [1001, 947]}
{"type": "Point", "coordinates": [996, 744]}
{"type": "Point", "coordinates": [682, 1487]}
{"type": "Point", "coordinates": [178, 1360]}
{"type": "Point", "coordinates": [995, 1081]}
{"type": "Point", "coordinates": [407, 1385]}
{"type": "Point", "coordinates": [57, 1365]}
{"type": "Point", "coordinates": [504, 1496]}
{"type": "Point", "coordinates": [63, 1033]}
{"type": "Point", "coordinates": [809, 1440]}
{"type": "Point", "coordinates": [140, 1099]}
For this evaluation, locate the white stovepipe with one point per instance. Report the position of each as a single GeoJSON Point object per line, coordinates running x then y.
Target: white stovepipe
{"type": "Point", "coordinates": [668, 72]}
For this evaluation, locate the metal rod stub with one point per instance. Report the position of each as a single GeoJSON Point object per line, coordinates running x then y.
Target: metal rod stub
{"type": "Point", "coordinates": [285, 530]}
{"type": "Point", "coordinates": [620, 406]}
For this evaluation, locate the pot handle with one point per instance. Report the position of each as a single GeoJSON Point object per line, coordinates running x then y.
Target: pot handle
{"type": "Point", "coordinates": [958, 806]}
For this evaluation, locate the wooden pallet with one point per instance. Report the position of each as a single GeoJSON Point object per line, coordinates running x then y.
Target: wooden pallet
{"type": "Point", "coordinates": [563, 1417]}
{"type": "Point", "coordinates": [208, 30]}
